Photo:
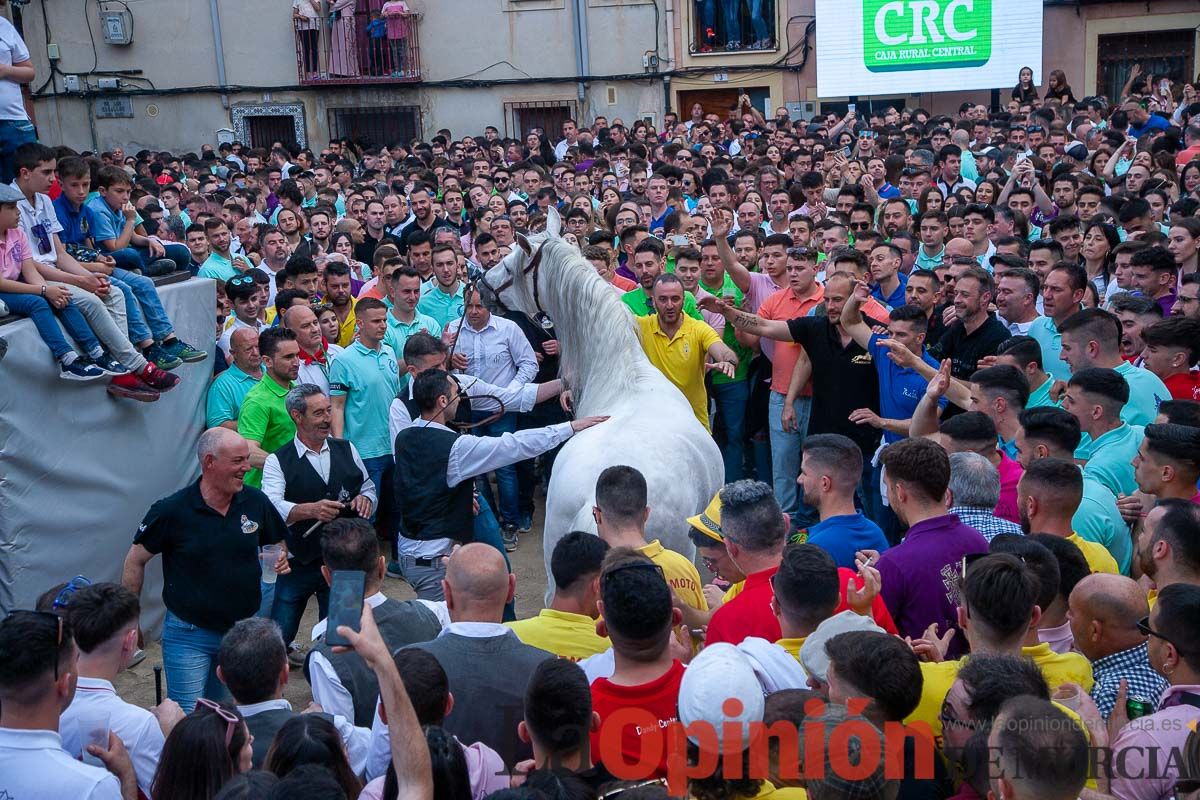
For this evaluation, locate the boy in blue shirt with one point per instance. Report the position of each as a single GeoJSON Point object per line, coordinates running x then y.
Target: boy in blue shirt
{"type": "Point", "coordinates": [118, 229]}
{"type": "Point", "coordinates": [150, 329]}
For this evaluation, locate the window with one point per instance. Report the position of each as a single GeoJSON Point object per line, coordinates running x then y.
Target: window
{"type": "Point", "coordinates": [377, 127]}
{"type": "Point", "coordinates": [520, 118]}
{"type": "Point", "coordinates": [1163, 54]}
{"type": "Point", "coordinates": [724, 26]}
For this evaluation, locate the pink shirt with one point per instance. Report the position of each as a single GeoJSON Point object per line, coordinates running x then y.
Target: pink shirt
{"type": "Point", "coordinates": [14, 249]}
{"type": "Point", "coordinates": [1152, 740]}
{"type": "Point", "coordinates": [1059, 639]}
{"type": "Point", "coordinates": [485, 768]}
{"type": "Point", "coordinates": [1010, 473]}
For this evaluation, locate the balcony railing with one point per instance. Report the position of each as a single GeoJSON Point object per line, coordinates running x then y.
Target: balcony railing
{"type": "Point", "coordinates": [351, 47]}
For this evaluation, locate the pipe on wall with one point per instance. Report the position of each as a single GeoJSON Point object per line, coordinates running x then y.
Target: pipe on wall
{"type": "Point", "coordinates": [582, 56]}
{"type": "Point", "coordinates": [219, 48]}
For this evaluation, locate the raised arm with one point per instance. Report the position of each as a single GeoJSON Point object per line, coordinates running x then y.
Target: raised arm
{"type": "Point", "coordinates": [925, 418]}
{"type": "Point", "coordinates": [720, 231]}
{"type": "Point", "coordinates": [852, 319]}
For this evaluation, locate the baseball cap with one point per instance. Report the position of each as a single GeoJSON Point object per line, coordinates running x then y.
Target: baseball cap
{"type": "Point", "coordinates": [991, 152]}
{"type": "Point", "coordinates": [719, 686]}
{"type": "Point", "coordinates": [708, 521]}
{"type": "Point", "coordinates": [10, 193]}
{"type": "Point", "coordinates": [1077, 151]}
{"type": "Point", "coordinates": [840, 750]}
{"type": "Point", "coordinates": [813, 657]}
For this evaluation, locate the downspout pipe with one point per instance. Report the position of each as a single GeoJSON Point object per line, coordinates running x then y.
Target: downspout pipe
{"type": "Point", "coordinates": [219, 47]}
{"type": "Point", "coordinates": [670, 65]}
{"type": "Point", "coordinates": [582, 57]}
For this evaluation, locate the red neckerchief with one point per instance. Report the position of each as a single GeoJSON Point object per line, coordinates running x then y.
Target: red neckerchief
{"type": "Point", "coordinates": [319, 357]}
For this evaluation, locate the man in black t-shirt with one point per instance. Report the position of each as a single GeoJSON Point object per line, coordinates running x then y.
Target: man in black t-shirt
{"type": "Point", "coordinates": [843, 374]}
{"type": "Point", "coordinates": [976, 333]}
{"type": "Point", "coordinates": [209, 534]}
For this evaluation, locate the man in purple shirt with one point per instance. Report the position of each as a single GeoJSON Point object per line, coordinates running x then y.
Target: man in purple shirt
{"type": "Point", "coordinates": [920, 575]}
{"type": "Point", "coordinates": [1155, 273]}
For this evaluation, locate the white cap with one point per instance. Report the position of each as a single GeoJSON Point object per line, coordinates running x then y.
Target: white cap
{"type": "Point", "coordinates": [813, 657]}
{"type": "Point", "coordinates": [718, 675]}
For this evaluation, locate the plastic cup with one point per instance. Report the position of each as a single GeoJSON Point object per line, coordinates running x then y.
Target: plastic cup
{"type": "Point", "coordinates": [1067, 696]}
{"type": "Point", "coordinates": [267, 556]}
{"type": "Point", "coordinates": [93, 729]}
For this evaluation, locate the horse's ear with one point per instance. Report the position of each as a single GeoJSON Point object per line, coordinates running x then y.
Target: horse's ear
{"type": "Point", "coordinates": [525, 245]}
{"type": "Point", "coordinates": [553, 221]}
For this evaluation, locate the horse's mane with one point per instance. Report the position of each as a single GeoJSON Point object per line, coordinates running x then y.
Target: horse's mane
{"type": "Point", "coordinates": [593, 326]}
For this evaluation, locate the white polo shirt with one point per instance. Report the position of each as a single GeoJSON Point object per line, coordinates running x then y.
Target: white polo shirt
{"type": "Point", "coordinates": [34, 764]}
{"type": "Point", "coordinates": [137, 727]}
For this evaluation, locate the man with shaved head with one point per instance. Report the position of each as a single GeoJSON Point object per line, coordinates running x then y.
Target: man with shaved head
{"type": "Point", "coordinates": [486, 664]}
{"type": "Point", "coordinates": [1103, 613]}
{"type": "Point", "coordinates": [230, 388]}
{"type": "Point", "coordinates": [208, 534]}
{"type": "Point", "coordinates": [316, 354]}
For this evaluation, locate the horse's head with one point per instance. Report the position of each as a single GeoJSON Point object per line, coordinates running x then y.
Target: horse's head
{"type": "Point", "coordinates": [513, 282]}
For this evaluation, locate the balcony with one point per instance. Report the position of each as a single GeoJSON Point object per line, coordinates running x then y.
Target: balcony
{"type": "Point", "coordinates": [358, 47]}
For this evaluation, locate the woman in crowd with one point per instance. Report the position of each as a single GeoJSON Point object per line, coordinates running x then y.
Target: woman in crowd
{"type": "Point", "coordinates": [311, 739]}
{"type": "Point", "coordinates": [1099, 239]}
{"type": "Point", "coordinates": [205, 749]}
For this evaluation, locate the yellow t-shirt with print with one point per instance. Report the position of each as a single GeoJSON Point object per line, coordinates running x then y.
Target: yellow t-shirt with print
{"type": "Point", "coordinates": [680, 573]}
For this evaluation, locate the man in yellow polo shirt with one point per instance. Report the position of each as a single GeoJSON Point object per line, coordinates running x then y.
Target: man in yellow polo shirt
{"type": "Point", "coordinates": [1048, 495]}
{"type": "Point", "coordinates": [568, 627]}
{"type": "Point", "coordinates": [621, 513]}
{"type": "Point", "coordinates": [683, 348]}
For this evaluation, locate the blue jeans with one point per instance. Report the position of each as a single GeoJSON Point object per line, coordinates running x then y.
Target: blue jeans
{"type": "Point", "coordinates": [757, 21]}
{"type": "Point", "coordinates": [267, 591]}
{"type": "Point", "coordinates": [131, 258]}
{"type": "Point", "coordinates": [506, 477]}
{"type": "Point", "coordinates": [869, 498]}
{"type": "Point", "coordinates": [785, 451]}
{"type": "Point", "coordinates": [375, 471]}
{"type": "Point", "coordinates": [487, 531]}
{"type": "Point", "coordinates": [143, 308]}
{"type": "Point", "coordinates": [291, 597]}
{"type": "Point", "coordinates": [45, 319]}
{"type": "Point", "coordinates": [190, 660]}
{"type": "Point", "coordinates": [731, 420]}
{"type": "Point", "coordinates": [733, 21]}
{"type": "Point", "coordinates": [13, 134]}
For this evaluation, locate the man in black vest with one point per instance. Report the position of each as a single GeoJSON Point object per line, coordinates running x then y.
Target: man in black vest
{"type": "Point", "coordinates": [343, 683]}
{"type": "Point", "coordinates": [487, 666]}
{"type": "Point", "coordinates": [311, 480]}
{"type": "Point", "coordinates": [432, 481]}
{"type": "Point", "coordinates": [252, 663]}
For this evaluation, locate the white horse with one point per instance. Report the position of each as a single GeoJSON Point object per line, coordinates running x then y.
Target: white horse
{"type": "Point", "coordinates": [652, 426]}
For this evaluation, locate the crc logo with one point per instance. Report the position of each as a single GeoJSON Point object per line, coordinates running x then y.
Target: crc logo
{"type": "Point", "coordinates": [926, 34]}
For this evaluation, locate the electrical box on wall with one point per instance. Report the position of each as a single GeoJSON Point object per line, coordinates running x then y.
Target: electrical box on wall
{"type": "Point", "coordinates": [117, 26]}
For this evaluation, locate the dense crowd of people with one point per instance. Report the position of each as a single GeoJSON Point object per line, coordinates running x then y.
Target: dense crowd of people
{"type": "Point", "coordinates": [949, 361]}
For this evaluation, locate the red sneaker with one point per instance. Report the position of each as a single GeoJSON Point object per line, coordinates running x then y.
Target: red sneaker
{"type": "Point", "coordinates": [158, 379]}
{"type": "Point", "coordinates": [132, 387]}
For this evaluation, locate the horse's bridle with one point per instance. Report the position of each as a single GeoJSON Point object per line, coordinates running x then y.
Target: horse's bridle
{"type": "Point", "coordinates": [533, 266]}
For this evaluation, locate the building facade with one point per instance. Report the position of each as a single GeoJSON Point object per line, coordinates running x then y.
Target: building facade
{"type": "Point", "coordinates": [143, 73]}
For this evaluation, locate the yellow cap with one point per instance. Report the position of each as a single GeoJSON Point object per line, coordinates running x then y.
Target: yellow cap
{"type": "Point", "coordinates": [708, 521]}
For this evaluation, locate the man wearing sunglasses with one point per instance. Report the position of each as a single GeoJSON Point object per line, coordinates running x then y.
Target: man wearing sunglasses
{"type": "Point", "coordinates": [38, 671]}
{"type": "Point", "coordinates": [1174, 650]}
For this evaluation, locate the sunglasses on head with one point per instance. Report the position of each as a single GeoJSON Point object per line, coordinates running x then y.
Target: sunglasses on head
{"type": "Point", "coordinates": [73, 585]}
{"type": "Point", "coordinates": [241, 280]}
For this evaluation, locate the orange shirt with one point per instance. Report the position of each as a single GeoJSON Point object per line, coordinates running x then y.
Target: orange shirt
{"type": "Point", "coordinates": [784, 305]}
{"type": "Point", "coordinates": [623, 283]}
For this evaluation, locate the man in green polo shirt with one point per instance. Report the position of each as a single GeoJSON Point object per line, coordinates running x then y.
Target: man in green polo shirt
{"type": "Point", "coordinates": [221, 264]}
{"type": "Point", "coordinates": [1095, 397]}
{"type": "Point", "coordinates": [264, 420]}
{"type": "Point", "coordinates": [229, 390]}
{"type": "Point", "coordinates": [442, 298]}
{"type": "Point", "coordinates": [403, 289]}
{"type": "Point", "coordinates": [363, 382]}
{"type": "Point", "coordinates": [647, 264]}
